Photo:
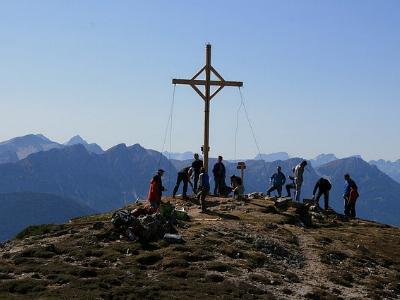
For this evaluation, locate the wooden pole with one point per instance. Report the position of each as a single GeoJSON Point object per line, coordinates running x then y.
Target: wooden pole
{"type": "Point", "coordinates": [206, 146]}
{"type": "Point", "coordinates": [194, 82]}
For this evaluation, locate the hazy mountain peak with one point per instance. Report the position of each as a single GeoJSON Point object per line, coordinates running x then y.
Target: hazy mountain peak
{"type": "Point", "coordinates": [322, 159]}
{"type": "Point", "coordinates": [118, 148]}
{"type": "Point", "coordinates": [77, 139]}
{"type": "Point", "coordinates": [273, 156]}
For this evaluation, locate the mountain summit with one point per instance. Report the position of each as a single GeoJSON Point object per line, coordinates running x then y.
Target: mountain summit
{"type": "Point", "coordinates": [237, 250]}
{"type": "Point", "coordinates": [77, 139]}
{"type": "Point", "coordinates": [20, 147]}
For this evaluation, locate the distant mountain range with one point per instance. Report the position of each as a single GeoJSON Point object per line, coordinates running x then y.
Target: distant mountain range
{"type": "Point", "coordinates": [179, 156]}
{"type": "Point", "coordinates": [100, 181]}
{"type": "Point", "coordinates": [20, 147]}
{"type": "Point", "coordinates": [104, 180]}
{"type": "Point", "coordinates": [273, 156]}
{"type": "Point", "coordinates": [391, 168]}
{"type": "Point", "coordinates": [323, 159]}
{"type": "Point", "coordinates": [92, 148]}
{"type": "Point", "coordinates": [19, 210]}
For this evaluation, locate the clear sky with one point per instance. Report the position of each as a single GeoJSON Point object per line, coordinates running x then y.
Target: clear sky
{"type": "Point", "coordinates": [320, 76]}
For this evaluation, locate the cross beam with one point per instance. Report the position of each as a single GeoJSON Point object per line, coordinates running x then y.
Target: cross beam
{"type": "Point", "coordinates": [208, 69]}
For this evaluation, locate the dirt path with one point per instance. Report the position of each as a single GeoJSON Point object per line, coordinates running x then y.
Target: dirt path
{"type": "Point", "coordinates": [315, 273]}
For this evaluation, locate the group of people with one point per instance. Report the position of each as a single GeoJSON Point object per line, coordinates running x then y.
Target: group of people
{"type": "Point", "coordinates": [322, 188]}
{"type": "Point", "coordinates": [201, 185]}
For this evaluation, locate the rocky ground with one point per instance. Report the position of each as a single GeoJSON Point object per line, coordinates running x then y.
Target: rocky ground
{"type": "Point", "coordinates": [239, 249]}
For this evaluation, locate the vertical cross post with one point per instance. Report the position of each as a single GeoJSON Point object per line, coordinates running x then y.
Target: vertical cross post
{"type": "Point", "coordinates": [208, 69]}
{"type": "Point", "coordinates": [206, 145]}
{"type": "Point", "coordinates": [241, 165]}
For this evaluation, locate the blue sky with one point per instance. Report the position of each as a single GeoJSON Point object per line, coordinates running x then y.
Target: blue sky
{"type": "Point", "coordinates": [320, 76]}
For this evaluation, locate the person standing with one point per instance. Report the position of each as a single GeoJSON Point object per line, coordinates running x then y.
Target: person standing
{"type": "Point", "coordinates": [183, 176]}
{"type": "Point", "coordinates": [197, 164]}
{"type": "Point", "coordinates": [219, 177]}
{"type": "Point", "coordinates": [298, 179]}
{"type": "Point", "coordinates": [156, 189]}
{"type": "Point", "coordinates": [278, 179]}
{"type": "Point", "coordinates": [323, 186]}
{"type": "Point", "coordinates": [204, 188]}
{"type": "Point", "coordinates": [350, 196]}
{"type": "Point", "coordinates": [290, 186]}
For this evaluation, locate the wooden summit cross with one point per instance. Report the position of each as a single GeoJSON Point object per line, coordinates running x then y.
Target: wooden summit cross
{"type": "Point", "coordinates": [207, 96]}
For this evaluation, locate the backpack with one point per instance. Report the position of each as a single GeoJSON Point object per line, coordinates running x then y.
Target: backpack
{"type": "Point", "coordinates": [328, 185]}
{"type": "Point", "coordinates": [122, 218]}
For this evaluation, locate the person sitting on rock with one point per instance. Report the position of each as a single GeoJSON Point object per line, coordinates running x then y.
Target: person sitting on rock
{"type": "Point", "coordinates": [237, 187]}
{"type": "Point", "coordinates": [183, 175]}
{"type": "Point", "coordinates": [156, 189]}
{"type": "Point", "coordinates": [278, 179]}
{"type": "Point", "coordinates": [323, 186]}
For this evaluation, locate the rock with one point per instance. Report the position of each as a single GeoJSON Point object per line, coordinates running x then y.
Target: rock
{"type": "Point", "coordinates": [282, 202]}
{"type": "Point", "coordinates": [173, 238]}
{"type": "Point", "coordinates": [256, 195]}
{"type": "Point", "coordinates": [296, 204]}
{"type": "Point", "coordinates": [271, 226]}
{"type": "Point", "coordinates": [132, 236]}
{"type": "Point", "coordinates": [98, 225]}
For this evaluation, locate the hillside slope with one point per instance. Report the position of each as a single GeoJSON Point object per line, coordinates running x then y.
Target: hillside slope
{"type": "Point", "coordinates": [19, 210]}
{"type": "Point", "coordinates": [238, 250]}
{"type": "Point", "coordinates": [101, 181]}
{"type": "Point", "coordinates": [391, 168]}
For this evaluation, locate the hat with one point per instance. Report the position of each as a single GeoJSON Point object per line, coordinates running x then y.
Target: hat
{"type": "Point", "coordinates": [161, 171]}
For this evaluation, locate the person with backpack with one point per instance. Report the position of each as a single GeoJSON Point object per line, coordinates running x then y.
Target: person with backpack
{"type": "Point", "coordinates": [219, 177]}
{"type": "Point", "coordinates": [197, 164]}
{"type": "Point", "coordinates": [278, 179]}
{"type": "Point", "coordinates": [156, 189]}
{"type": "Point", "coordinates": [183, 176]}
{"type": "Point", "coordinates": [204, 188]}
{"type": "Point", "coordinates": [350, 196]}
{"type": "Point", "coordinates": [298, 178]}
{"type": "Point", "coordinates": [323, 186]}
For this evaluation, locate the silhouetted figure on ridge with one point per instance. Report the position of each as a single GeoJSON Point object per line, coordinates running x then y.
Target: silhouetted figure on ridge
{"type": "Point", "coordinates": [278, 179]}
{"type": "Point", "coordinates": [298, 178]}
{"type": "Point", "coordinates": [323, 186]}
{"type": "Point", "coordinates": [350, 196]}
{"type": "Point", "coordinates": [183, 176]}
{"type": "Point", "coordinates": [156, 189]}
{"type": "Point", "coordinates": [219, 177]}
{"type": "Point", "coordinates": [197, 164]}
{"type": "Point", "coordinates": [290, 186]}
